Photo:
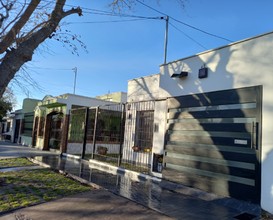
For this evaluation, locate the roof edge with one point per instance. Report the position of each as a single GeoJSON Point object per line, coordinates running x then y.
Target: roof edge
{"type": "Point", "coordinates": [219, 48]}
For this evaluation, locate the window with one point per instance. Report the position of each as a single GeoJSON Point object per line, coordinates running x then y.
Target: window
{"type": "Point", "coordinates": [144, 130]}
{"type": "Point", "coordinates": [76, 127]}
{"type": "Point", "coordinates": [28, 124]}
{"type": "Point", "coordinates": [108, 127]}
{"type": "Point", "coordinates": [8, 126]}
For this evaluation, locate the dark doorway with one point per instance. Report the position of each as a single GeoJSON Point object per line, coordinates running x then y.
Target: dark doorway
{"type": "Point", "coordinates": [17, 130]}
{"type": "Point", "coordinates": [55, 131]}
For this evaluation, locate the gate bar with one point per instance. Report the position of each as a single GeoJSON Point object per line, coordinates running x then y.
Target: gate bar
{"type": "Point", "coordinates": [121, 137]}
{"type": "Point", "coordinates": [95, 132]}
{"type": "Point", "coordinates": [85, 132]}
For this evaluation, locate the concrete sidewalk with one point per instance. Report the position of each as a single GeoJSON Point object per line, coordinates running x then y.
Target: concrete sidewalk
{"type": "Point", "coordinates": [176, 202]}
{"type": "Point", "coordinates": [96, 204]}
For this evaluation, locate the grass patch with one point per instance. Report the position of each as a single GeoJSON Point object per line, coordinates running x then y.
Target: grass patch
{"type": "Point", "coordinates": [24, 188]}
{"type": "Point", "coordinates": [15, 162]}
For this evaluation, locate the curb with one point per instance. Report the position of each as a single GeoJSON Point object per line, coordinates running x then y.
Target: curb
{"type": "Point", "coordinates": [135, 176]}
{"type": "Point", "coordinates": [81, 180]}
{"type": "Point", "coordinates": [115, 170]}
{"type": "Point", "coordinates": [241, 206]}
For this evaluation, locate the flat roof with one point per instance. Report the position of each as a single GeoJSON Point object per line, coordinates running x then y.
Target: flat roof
{"type": "Point", "coordinates": [218, 48]}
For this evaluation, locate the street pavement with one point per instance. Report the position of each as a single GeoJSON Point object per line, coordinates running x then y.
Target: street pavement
{"type": "Point", "coordinates": [9, 150]}
{"type": "Point", "coordinates": [117, 197]}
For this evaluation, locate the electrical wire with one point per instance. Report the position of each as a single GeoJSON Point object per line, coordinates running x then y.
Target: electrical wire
{"type": "Point", "coordinates": [124, 15]}
{"type": "Point", "coordinates": [103, 22]}
{"type": "Point", "coordinates": [181, 22]}
{"type": "Point", "coordinates": [107, 13]}
{"type": "Point", "coordinates": [188, 36]}
{"type": "Point", "coordinates": [48, 68]}
{"type": "Point", "coordinates": [138, 18]}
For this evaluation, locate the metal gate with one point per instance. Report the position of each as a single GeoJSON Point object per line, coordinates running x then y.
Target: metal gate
{"type": "Point", "coordinates": [97, 133]}
{"type": "Point", "coordinates": [213, 142]}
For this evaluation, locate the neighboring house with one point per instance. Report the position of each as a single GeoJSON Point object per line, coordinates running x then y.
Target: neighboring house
{"type": "Point", "coordinates": [17, 118]}
{"type": "Point", "coordinates": [210, 115]}
{"type": "Point", "coordinates": [52, 118]}
{"type": "Point", "coordinates": [120, 97]}
{"type": "Point", "coordinates": [8, 126]}
{"type": "Point", "coordinates": [17, 126]}
{"type": "Point", "coordinates": [26, 126]}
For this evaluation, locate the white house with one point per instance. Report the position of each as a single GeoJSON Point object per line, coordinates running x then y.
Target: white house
{"type": "Point", "coordinates": [8, 127]}
{"type": "Point", "coordinates": [213, 115]}
{"type": "Point", "coordinates": [18, 124]}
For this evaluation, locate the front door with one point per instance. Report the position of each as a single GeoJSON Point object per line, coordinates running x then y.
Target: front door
{"type": "Point", "coordinates": [55, 133]}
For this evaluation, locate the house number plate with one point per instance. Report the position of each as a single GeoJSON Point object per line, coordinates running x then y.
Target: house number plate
{"type": "Point", "coordinates": [242, 142]}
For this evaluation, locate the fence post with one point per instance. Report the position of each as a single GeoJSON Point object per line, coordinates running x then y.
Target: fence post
{"type": "Point", "coordinates": [85, 132]}
{"type": "Point", "coordinates": [121, 133]}
{"type": "Point", "coordinates": [95, 132]}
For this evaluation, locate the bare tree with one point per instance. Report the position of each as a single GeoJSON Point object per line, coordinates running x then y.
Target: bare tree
{"type": "Point", "coordinates": [18, 45]}
{"type": "Point", "coordinates": [26, 24]}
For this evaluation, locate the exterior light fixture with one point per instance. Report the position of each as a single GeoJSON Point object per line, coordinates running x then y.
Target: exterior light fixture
{"type": "Point", "coordinates": [203, 72]}
{"type": "Point", "coordinates": [179, 75]}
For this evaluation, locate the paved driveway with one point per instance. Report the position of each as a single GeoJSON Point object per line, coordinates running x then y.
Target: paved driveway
{"type": "Point", "coordinates": [8, 150]}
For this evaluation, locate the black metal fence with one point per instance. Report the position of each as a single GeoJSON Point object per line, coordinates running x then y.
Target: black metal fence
{"type": "Point", "coordinates": [97, 133]}
{"type": "Point", "coordinates": [119, 134]}
{"type": "Point", "coordinates": [138, 132]}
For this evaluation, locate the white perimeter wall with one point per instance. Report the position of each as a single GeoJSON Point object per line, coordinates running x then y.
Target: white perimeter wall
{"type": "Point", "coordinates": [242, 64]}
{"type": "Point", "coordinates": [143, 89]}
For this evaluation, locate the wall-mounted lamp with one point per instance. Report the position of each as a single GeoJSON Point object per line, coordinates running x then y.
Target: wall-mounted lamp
{"type": "Point", "coordinates": [180, 75]}
{"type": "Point", "coordinates": [203, 72]}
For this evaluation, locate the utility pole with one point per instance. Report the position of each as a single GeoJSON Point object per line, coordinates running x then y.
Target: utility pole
{"type": "Point", "coordinates": [166, 38]}
{"type": "Point", "coordinates": [75, 78]}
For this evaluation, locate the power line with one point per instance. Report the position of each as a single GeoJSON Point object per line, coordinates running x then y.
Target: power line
{"type": "Point", "coordinates": [48, 68]}
{"type": "Point", "coordinates": [102, 22]}
{"type": "Point", "coordinates": [107, 13]}
{"type": "Point", "coordinates": [188, 36]}
{"type": "Point", "coordinates": [124, 15]}
{"type": "Point", "coordinates": [181, 22]}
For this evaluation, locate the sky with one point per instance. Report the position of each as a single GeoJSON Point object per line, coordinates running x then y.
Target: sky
{"type": "Point", "coordinates": [121, 48]}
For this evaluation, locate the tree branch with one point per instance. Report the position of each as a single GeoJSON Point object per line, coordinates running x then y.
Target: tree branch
{"type": "Point", "coordinates": [11, 35]}
{"type": "Point", "coordinates": [7, 8]}
{"type": "Point", "coordinates": [15, 58]}
{"type": "Point", "coordinates": [77, 10]}
{"type": "Point", "coordinates": [12, 21]}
